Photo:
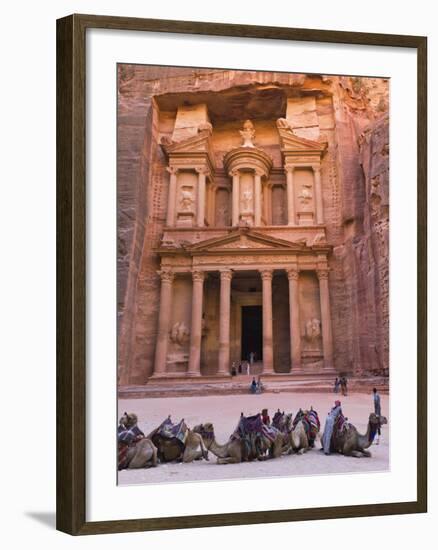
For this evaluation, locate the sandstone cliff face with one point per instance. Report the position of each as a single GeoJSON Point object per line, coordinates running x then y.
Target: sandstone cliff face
{"type": "Point", "coordinates": [350, 114]}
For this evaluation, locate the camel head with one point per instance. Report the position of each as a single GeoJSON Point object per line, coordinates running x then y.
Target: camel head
{"type": "Point", "coordinates": [128, 420]}
{"type": "Point", "coordinates": [376, 420]}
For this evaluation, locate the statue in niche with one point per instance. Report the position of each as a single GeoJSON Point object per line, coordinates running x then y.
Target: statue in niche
{"type": "Point", "coordinates": [180, 333]}
{"type": "Point", "coordinates": [305, 194]}
{"type": "Point", "coordinates": [313, 330]}
{"type": "Point", "coordinates": [223, 215]}
{"type": "Point", "coordinates": [246, 200]}
{"type": "Point", "coordinates": [186, 200]}
{"type": "Point", "coordinates": [248, 134]}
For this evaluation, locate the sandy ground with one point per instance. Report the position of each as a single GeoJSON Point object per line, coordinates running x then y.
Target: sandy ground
{"type": "Point", "coordinates": [224, 412]}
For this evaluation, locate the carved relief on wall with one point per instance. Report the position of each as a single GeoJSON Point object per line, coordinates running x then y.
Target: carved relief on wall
{"type": "Point", "coordinates": [186, 200]}
{"type": "Point", "coordinates": [305, 194]}
{"type": "Point", "coordinates": [246, 200]}
{"type": "Point", "coordinates": [248, 134]}
{"type": "Point", "coordinates": [179, 334]}
{"type": "Point", "coordinates": [312, 335]}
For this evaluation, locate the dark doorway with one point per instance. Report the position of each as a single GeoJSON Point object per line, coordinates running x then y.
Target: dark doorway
{"type": "Point", "coordinates": [252, 332]}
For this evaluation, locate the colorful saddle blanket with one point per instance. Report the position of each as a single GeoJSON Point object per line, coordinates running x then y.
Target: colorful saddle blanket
{"type": "Point", "coordinates": [168, 430]}
{"type": "Point", "coordinates": [126, 437]}
{"type": "Point", "coordinates": [310, 422]}
{"type": "Point", "coordinates": [253, 425]}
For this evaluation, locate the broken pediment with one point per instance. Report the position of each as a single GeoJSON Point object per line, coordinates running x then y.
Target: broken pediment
{"type": "Point", "coordinates": [292, 143]}
{"type": "Point", "coordinates": [245, 240]}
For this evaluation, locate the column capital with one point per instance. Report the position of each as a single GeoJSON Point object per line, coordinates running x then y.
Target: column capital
{"type": "Point", "coordinates": [198, 276]}
{"type": "Point", "coordinates": [289, 168]}
{"type": "Point", "coordinates": [292, 274]}
{"type": "Point", "coordinates": [172, 170]}
{"type": "Point", "coordinates": [266, 274]}
{"type": "Point", "coordinates": [322, 273]}
{"type": "Point", "coordinates": [226, 274]}
{"type": "Point", "coordinates": [316, 168]}
{"type": "Point", "coordinates": [201, 170]}
{"type": "Point", "coordinates": [234, 172]}
{"type": "Point", "coordinates": [166, 275]}
{"type": "Point", "coordinates": [259, 172]}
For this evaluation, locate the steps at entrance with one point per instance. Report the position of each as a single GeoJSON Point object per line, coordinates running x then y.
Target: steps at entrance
{"type": "Point", "coordinates": [240, 385]}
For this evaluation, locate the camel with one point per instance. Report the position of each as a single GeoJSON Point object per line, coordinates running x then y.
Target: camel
{"type": "Point", "coordinates": [304, 431]}
{"type": "Point", "coordinates": [186, 449]}
{"type": "Point", "coordinates": [135, 450]}
{"type": "Point", "coordinates": [238, 449]}
{"type": "Point", "coordinates": [349, 442]}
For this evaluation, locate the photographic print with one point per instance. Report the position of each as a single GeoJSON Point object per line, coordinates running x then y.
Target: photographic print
{"type": "Point", "coordinates": [253, 274]}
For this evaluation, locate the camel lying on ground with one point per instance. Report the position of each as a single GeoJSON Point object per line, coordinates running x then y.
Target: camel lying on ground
{"type": "Point", "coordinates": [140, 452]}
{"type": "Point", "coordinates": [238, 449]}
{"type": "Point", "coordinates": [349, 442]}
{"type": "Point", "coordinates": [191, 448]}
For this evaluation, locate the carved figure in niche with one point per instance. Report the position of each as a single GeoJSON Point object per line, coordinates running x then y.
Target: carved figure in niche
{"type": "Point", "coordinates": [186, 200]}
{"type": "Point", "coordinates": [180, 333]}
{"type": "Point", "coordinates": [223, 215]}
{"type": "Point", "coordinates": [248, 134]}
{"type": "Point", "coordinates": [246, 200]}
{"type": "Point", "coordinates": [305, 194]}
{"type": "Point", "coordinates": [313, 330]}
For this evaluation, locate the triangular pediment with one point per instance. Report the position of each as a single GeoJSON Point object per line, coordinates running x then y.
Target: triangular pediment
{"type": "Point", "coordinates": [195, 144]}
{"type": "Point", "coordinates": [244, 239]}
{"type": "Point", "coordinates": [291, 142]}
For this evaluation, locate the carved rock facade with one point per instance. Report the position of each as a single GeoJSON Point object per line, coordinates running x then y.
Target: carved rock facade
{"type": "Point", "coordinates": [241, 190]}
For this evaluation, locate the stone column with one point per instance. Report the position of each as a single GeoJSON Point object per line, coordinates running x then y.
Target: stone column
{"type": "Point", "coordinates": [171, 201]}
{"type": "Point", "coordinates": [318, 195]}
{"type": "Point", "coordinates": [290, 196]}
{"type": "Point", "coordinates": [294, 320]}
{"type": "Point", "coordinates": [211, 208]}
{"type": "Point", "coordinates": [257, 198]}
{"type": "Point", "coordinates": [200, 212]}
{"type": "Point", "coordinates": [236, 197]}
{"type": "Point", "coordinates": [196, 326]}
{"type": "Point", "coordinates": [268, 355]}
{"type": "Point", "coordinates": [224, 322]}
{"type": "Point", "coordinates": [165, 308]}
{"type": "Point", "coordinates": [326, 322]}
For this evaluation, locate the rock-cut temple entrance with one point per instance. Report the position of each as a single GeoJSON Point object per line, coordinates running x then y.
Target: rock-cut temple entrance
{"type": "Point", "coordinates": [252, 332]}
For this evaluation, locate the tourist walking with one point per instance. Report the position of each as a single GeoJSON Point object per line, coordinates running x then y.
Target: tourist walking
{"type": "Point", "coordinates": [344, 385]}
{"type": "Point", "coordinates": [336, 385]}
{"type": "Point", "coordinates": [330, 426]}
{"type": "Point", "coordinates": [377, 412]}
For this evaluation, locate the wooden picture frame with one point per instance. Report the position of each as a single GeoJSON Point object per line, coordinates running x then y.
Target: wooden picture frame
{"type": "Point", "coordinates": [71, 273]}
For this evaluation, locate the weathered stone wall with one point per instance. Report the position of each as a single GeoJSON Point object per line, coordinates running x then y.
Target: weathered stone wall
{"type": "Point", "coordinates": [349, 113]}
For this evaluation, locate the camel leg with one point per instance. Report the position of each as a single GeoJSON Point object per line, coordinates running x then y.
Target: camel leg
{"type": "Point", "coordinates": [190, 455]}
{"type": "Point", "coordinates": [228, 460]}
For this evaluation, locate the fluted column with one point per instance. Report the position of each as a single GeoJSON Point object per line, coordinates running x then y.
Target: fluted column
{"type": "Point", "coordinates": [257, 198]}
{"type": "Point", "coordinates": [326, 322]}
{"type": "Point", "coordinates": [170, 219]}
{"type": "Point", "coordinates": [196, 326]}
{"type": "Point", "coordinates": [291, 219]}
{"type": "Point", "coordinates": [268, 355]}
{"type": "Point", "coordinates": [236, 197]}
{"type": "Point", "coordinates": [165, 309]}
{"type": "Point", "coordinates": [224, 322]}
{"type": "Point", "coordinates": [294, 320]}
{"type": "Point", "coordinates": [200, 213]}
{"type": "Point", "coordinates": [318, 195]}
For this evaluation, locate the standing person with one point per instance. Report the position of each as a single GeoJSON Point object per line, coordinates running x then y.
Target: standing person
{"type": "Point", "coordinates": [265, 417]}
{"type": "Point", "coordinates": [259, 385]}
{"type": "Point", "coordinates": [377, 412]}
{"type": "Point", "coordinates": [330, 426]}
{"type": "Point", "coordinates": [233, 369]}
{"type": "Point", "coordinates": [253, 386]}
{"type": "Point", "coordinates": [251, 358]}
{"type": "Point", "coordinates": [336, 386]}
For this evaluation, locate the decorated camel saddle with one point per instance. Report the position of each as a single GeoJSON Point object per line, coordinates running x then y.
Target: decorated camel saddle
{"type": "Point", "coordinates": [168, 430]}
{"type": "Point", "coordinates": [128, 435]}
{"type": "Point", "coordinates": [254, 426]}
{"type": "Point", "coordinates": [310, 422]}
